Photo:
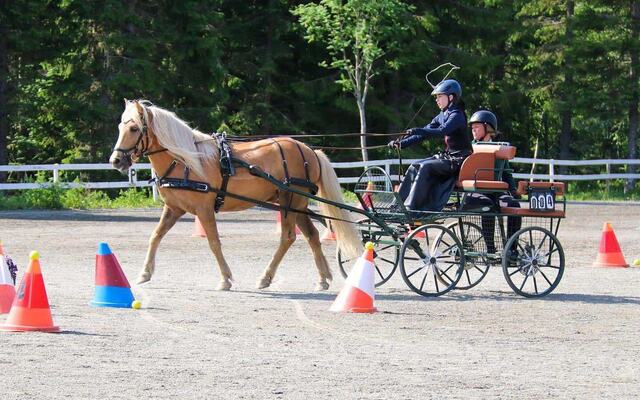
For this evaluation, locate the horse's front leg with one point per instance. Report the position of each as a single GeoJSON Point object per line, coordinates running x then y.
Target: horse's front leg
{"type": "Point", "coordinates": [168, 219]}
{"type": "Point", "coordinates": [208, 219]}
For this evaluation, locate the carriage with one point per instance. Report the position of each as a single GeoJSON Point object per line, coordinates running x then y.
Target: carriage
{"type": "Point", "coordinates": [436, 252]}
{"type": "Point", "coordinates": [454, 248]}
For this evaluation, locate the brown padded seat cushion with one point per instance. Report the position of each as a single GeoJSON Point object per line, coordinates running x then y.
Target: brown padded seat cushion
{"type": "Point", "coordinates": [470, 184]}
{"type": "Point", "coordinates": [525, 212]}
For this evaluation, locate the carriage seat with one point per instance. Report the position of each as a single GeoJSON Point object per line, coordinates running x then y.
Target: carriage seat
{"type": "Point", "coordinates": [478, 171]}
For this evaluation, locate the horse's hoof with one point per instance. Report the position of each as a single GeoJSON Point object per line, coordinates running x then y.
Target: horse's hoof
{"type": "Point", "coordinates": [320, 286]}
{"type": "Point", "coordinates": [224, 286]}
{"type": "Point", "coordinates": [143, 278]}
{"type": "Point", "coordinates": [263, 283]}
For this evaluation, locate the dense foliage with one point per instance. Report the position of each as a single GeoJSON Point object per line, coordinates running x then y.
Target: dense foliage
{"type": "Point", "coordinates": [564, 72]}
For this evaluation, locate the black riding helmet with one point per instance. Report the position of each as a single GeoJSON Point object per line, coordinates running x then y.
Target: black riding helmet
{"type": "Point", "coordinates": [485, 117]}
{"type": "Point", "coordinates": [448, 86]}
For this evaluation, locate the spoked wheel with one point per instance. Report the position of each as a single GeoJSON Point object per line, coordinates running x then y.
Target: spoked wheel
{"type": "Point", "coordinates": [431, 260]}
{"type": "Point", "coordinates": [476, 265]}
{"type": "Point", "coordinates": [533, 262]}
{"type": "Point", "coordinates": [385, 253]}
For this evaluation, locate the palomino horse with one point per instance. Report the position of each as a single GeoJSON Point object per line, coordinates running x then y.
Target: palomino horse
{"type": "Point", "coordinates": [149, 130]}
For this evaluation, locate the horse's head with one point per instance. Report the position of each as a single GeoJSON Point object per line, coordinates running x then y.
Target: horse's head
{"type": "Point", "coordinates": [134, 136]}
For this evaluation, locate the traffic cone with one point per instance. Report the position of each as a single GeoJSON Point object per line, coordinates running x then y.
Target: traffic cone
{"type": "Point", "coordinates": [358, 293]}
{"type": "Point", "coordinates": [609, 254]}
{"type": "Point", "coordinates": [329, 234]}
{"type": "Point", "coordinates": [198, 230]}
{"type": "Point", "coordinates": [279, 224]}
{"type": "Point", "coordinates": [112, 287]}
{"type": "Point", "coordinates": [7, 290]}
{"type": "Point", "coordinates": [30, 310]}
{"type": "Point", "coordinates": [367, 198]}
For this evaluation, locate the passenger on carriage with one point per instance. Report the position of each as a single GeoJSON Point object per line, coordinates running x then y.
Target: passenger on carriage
{"type": "Point", "coordinates": [428, 183]}
{"type": "Point", "coordinates": [484, 127]}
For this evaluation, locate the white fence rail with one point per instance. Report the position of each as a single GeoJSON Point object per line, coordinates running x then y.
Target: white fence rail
{"type": "Point", "coordinates": [387, 165]}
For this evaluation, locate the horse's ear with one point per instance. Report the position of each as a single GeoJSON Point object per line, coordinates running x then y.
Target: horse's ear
{"type": "Point", "coordinates": [126, 101]}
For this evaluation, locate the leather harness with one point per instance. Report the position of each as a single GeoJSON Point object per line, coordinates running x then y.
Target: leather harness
{"type": "Point", "coordinates": [227, 170]}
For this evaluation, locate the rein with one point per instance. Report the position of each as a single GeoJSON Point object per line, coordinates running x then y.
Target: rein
{"type": "Point", "coordinates": [203, 187]}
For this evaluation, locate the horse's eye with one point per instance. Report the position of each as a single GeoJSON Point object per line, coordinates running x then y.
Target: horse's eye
{"type": "Point", "coordinates": [134, 129]}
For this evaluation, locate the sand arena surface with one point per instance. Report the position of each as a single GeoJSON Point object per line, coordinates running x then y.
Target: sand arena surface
{"type": "Point", "coordinates": [189, 341]}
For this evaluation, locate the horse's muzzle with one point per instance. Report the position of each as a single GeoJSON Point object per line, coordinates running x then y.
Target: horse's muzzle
{"type": "Point", "coordinates": [120, 161]}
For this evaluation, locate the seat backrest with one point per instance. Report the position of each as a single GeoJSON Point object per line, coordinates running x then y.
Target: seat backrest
{"type": "Point", "coordinates": [484, 160]}
{"type": "Point", "coordinates": [501, 151]}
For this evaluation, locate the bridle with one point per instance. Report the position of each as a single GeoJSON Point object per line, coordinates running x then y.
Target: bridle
{"type": "Point", "coordinates": [141, 147]}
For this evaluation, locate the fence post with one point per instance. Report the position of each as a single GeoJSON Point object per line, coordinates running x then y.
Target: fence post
{"type": "Point", "coordinates": [56, 174]}
{"type": "Point", "coordinates": [551, 170]}
{"type": "Point", "coordinates": [132, 176]}
{"type": "Point", "coordinates": [154, 187]}
{"type": "Point", "coordinates": [608, 180]}
{"type": "Point", "coordinates": [387, 169]}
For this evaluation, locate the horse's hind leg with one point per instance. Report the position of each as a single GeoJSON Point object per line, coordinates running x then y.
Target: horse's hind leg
{"type": "Point", "coordinates": [287, 237]}
{"type": "Point", "coordinates": [208, 219]}
{"type": "Point", "coordinates": [168, 219]}
{"type": "Point", "coordinates": [313, 238]}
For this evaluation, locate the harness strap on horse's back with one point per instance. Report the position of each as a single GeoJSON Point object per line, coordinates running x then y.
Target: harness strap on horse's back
{"type": "Point", "coordinates": [304, 161]}
{"type": "Point", "coordinates": [287, 178]}
{"type": "Point", "coordinates": [306, 183]}
{"type": "Point", "coordinates": [226, 168]}
{"type": "Point", "coordinates": [319, 166]}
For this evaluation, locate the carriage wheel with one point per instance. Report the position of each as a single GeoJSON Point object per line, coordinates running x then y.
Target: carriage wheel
{"type": "Point", "coordinates": [533, 262]}
{"type": "Point", "coordinates": [432, 260]}
{"type": "Point", "coordinates": [476, 265]}
{"type": "Point", "coordinates": [385, 254]}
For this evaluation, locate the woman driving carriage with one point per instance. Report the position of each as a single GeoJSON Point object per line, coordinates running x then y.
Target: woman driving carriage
{"type": "Point", "coordinates": [484, 127]}
{"type": "Point", "coordinates": [428, 183]}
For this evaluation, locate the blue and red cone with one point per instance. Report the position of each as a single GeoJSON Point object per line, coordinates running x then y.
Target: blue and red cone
{"type": "Point", "coordinates": [112, 287]}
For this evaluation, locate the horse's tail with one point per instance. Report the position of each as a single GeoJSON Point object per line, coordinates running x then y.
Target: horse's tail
{"type": "Point", "coordinates": [347, 236]}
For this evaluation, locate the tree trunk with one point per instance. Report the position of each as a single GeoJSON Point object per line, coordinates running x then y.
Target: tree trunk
{"type": "Point", "coordinates": [635, 93]}
{"type": "Point", "coordinates": [4, 87]}
{"type": "Point", "coordinates": [566, 93]}
{"type": "Point", "coordinates": [363, 129]}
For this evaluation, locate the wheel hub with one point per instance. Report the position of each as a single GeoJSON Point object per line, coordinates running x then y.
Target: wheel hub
{"type": "Point", "coordinates": [529, 262]}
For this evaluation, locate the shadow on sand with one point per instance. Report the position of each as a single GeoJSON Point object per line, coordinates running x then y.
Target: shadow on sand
{"type": "Point", "coordinates": [505, 296]}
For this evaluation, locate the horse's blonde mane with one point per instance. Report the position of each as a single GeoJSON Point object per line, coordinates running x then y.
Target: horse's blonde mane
{"type": "Point", "coordinates": [188, 145]}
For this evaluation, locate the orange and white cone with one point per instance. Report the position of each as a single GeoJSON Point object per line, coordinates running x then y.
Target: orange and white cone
{"type": "Point", "coordinates": [359, 291]}
{"type": "Point", "coordinates": [30, 310]}
{"type": "Point", "coordinates": [609, 254]}
{"type": "Point", "coordinates": [198, 230]}
{"type": "Point", "coordinates": [367, 197]}
{"type": "Point", "coordinates": [7, 290]}
{"type": "Point", "coordinates": [279, 224]}
{"type": "Point", "coordinates": [329, 234]}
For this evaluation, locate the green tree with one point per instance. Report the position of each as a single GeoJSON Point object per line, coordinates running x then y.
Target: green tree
{"type": "Point", "coordinates": [359, 35]}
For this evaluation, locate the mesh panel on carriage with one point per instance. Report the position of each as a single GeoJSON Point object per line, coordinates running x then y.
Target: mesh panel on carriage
{"type": "Point", "coordinates": [375, 189]}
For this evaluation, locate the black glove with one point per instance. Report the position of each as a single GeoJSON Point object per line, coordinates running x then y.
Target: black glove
{"type": "Point", "coordinates": [394, 144]}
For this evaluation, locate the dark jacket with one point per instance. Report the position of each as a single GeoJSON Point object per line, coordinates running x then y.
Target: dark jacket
{"type": "Point", "coordinates": [451, 125]}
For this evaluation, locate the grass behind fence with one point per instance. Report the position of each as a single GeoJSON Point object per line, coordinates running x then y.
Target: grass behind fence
{"type": "Point", "coordinates": [56, 197]}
